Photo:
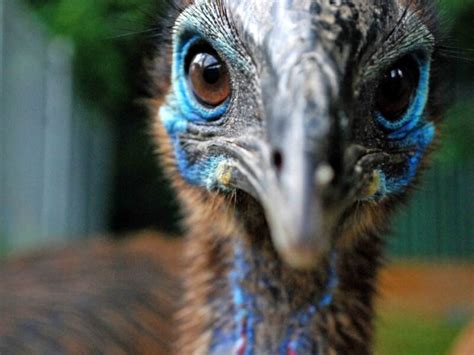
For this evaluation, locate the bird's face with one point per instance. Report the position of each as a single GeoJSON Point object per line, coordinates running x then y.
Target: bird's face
{"type": "Point", "coordinates": [317, 110]}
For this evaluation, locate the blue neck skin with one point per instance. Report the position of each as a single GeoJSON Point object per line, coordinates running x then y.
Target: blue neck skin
{"type": "Point", "coordinates": [240, 338]}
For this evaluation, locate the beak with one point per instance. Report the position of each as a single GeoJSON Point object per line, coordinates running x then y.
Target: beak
{"type": "Point", "coordinates": [305, 144]}
{"type": "Point", "coordinates": [299, 216]}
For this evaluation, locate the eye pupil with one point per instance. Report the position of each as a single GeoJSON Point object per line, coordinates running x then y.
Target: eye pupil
{"type": "Point", "coordinates": [212, 74]}
{"type": "Point", "coordinates": [395, 80]}
{"type": "Point", "coordinates": [208, 77]}
{"type": "Point", "coordinates": [397, 89]}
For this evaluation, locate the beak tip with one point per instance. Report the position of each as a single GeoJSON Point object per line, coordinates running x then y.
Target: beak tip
{"type": "Point", "coordinates": [301, 247]}
{"type": "Point", "coordinates": [301, 257]}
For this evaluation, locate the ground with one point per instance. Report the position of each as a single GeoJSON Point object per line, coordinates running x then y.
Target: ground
{"type": "Point", "coordinates": [424, 308]}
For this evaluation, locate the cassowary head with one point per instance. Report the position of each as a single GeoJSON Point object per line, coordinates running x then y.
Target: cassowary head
{"type": "Point", "coordinates": [311, 118]}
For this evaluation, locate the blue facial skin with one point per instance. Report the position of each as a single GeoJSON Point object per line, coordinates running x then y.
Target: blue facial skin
{"type": "Point", "coordinates": [181, 108]}
{"type": "Point", "coordinates": [410, 131]}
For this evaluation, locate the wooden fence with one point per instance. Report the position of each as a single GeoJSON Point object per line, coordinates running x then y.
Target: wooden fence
{"type": "Point", "coordinates": [55, 153]}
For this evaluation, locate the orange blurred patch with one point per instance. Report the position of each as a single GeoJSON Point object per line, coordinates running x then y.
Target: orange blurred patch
{"type": "Point", "coordinates": [431, 289]}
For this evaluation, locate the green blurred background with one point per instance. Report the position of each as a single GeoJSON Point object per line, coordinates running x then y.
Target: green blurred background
{"type": "Point", "coordinates": [111, 38]}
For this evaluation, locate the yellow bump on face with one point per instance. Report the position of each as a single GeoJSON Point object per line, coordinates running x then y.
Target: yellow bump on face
{"type": "Point", "coordinates": [224, 174]}
{"type": "Point", "coordinates": [374, 185]}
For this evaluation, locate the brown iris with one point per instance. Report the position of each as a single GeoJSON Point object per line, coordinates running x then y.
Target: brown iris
{"type": "Point", "coordinates": [208, 78]}
{"type": "Point", "coordinates": [397, 89]}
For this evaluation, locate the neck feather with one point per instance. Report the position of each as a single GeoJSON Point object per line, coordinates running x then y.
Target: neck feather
{"type": "Point", "coordinates": [241, 299]}
{"type": "Point", "coordinates": [262, 305]}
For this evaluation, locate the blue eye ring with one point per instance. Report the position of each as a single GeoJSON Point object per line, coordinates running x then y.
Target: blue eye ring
{"type": "Point", "coordinates": [410, 118]}
{"type": "Point", "coordinates": [192, 109]}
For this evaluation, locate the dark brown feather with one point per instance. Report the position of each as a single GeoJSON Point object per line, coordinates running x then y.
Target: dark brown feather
{"type": "Point", "coordinates": [98, 297]}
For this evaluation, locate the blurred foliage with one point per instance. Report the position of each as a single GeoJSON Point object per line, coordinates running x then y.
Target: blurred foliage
{"type": "Point", "coordinates": [459, 126]}
{"type": "Point", "coordinates": [108, 43]}
{"type": "Point", "coordinates": [459, 132]}
{"type": "Point", "coordinates": [454, 7]}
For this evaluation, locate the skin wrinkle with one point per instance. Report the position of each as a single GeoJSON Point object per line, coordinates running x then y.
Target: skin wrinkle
{"type": "Point", "coordinates": [304, 75]}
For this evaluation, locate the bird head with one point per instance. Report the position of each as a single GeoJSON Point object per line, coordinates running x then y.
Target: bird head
{"type": "Point", "coordinates": [320, 112]}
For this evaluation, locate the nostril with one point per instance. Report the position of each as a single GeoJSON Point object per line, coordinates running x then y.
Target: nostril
{"type": "Point", "coordinates": [277, 160]}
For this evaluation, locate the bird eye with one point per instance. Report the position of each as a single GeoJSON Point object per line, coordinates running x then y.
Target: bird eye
{"type": "Point", "coordinates": [208, 77]}
{"type": "Point", "coordinates": [397, 89]}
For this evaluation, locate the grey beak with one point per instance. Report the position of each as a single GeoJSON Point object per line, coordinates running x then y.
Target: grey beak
{"type": "Point", "coordinates": [298, 105]}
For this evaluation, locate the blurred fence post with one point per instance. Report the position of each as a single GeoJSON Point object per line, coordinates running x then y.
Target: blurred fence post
{"type": "Point", "coordinates": [57, 141]}
{"type": "Point", "coordinates": [3, 241]}
{"type": "Point", "coordinates": [55, 152]}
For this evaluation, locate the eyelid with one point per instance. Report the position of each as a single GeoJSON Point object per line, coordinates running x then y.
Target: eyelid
{"type": "Point", "coordinates": [400, 128]}
{"type": "Point", "coordinates": [384, 58]}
